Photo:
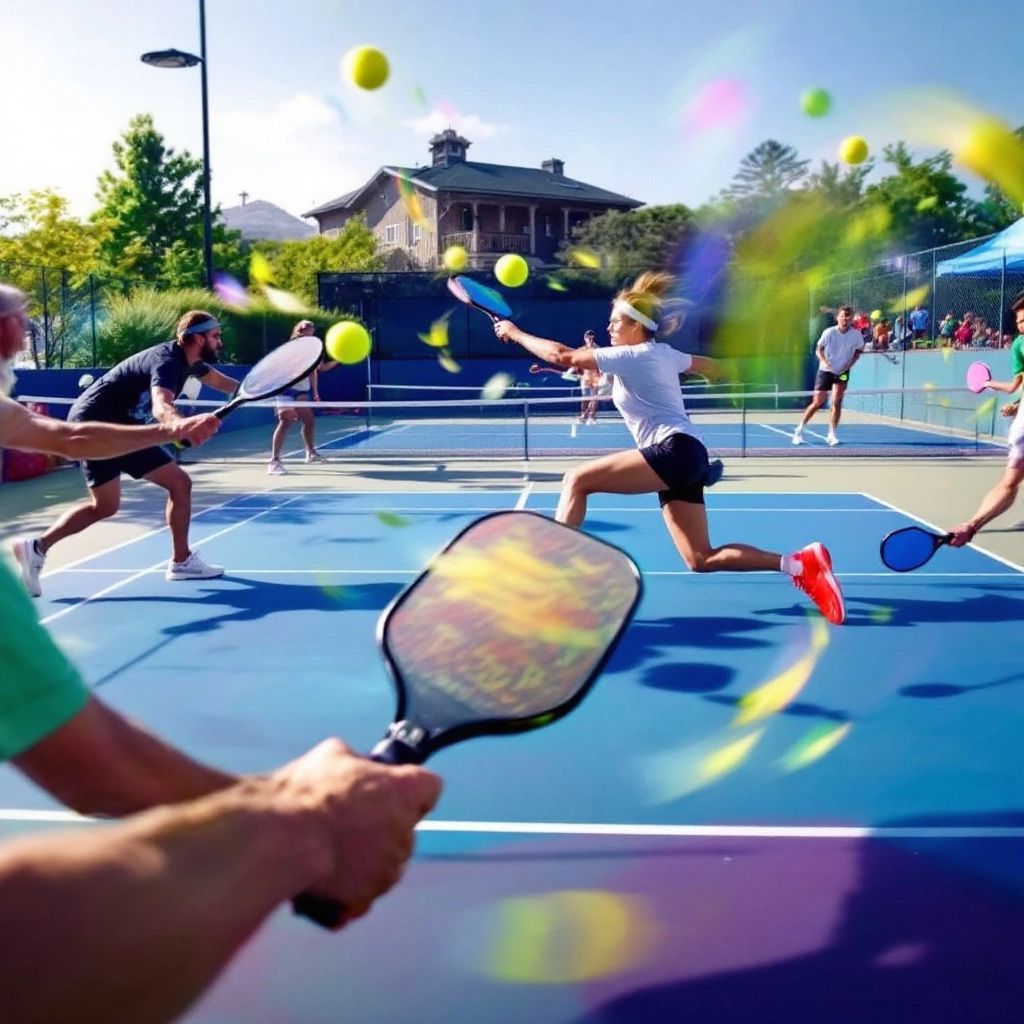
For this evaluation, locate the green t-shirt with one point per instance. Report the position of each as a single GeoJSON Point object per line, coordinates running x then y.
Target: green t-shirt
{"type": "Point", "coordinates": [1017, 355]}
{"type": "Point", "coordinates": [40, 689]}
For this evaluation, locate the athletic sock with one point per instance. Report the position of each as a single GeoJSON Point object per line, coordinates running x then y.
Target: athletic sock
{"type": "Point", "coordinates": [792, 565]}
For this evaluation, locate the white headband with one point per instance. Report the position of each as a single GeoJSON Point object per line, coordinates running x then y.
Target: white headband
{"type": "Point", "coordinates": [621, 306]}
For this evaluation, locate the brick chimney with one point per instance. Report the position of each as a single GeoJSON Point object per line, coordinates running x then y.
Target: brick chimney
{"type": "Point", "coordinates": [553, 166]}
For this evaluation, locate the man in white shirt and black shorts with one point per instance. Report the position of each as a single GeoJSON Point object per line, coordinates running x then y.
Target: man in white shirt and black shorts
{"type": "Point", "coordinates": [838, 349]}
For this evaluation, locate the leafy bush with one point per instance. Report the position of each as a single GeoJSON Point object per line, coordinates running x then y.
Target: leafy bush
{"type": "Point", "coordinates": [146, 317]}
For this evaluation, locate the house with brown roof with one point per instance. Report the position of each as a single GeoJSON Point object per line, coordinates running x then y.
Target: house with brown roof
{"type": "Point", "coordinates": [489, 209]}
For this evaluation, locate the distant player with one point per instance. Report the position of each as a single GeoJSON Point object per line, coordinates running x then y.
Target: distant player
{"type": "Point", "coordinates": [838, 349]}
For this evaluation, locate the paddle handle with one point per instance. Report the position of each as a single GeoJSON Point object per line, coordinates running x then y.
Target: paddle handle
{"type": "Point", "coordinates": [219, 413]}
{"type": "Point", "coordinates": [324, 910]}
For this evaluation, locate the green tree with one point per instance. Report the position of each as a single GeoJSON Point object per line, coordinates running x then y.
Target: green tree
{"type": "Point", "coordinates": [768, 172]}
{"type": "Point", "coordinates": [838, 187]}
{"type": "Point", "coordinates": [183, 263]}
{"type": "Point", "coordinates": [50, 256]}
{"type": "Point", "coordinates": [927, 202]}
{"type": "Point", "coordinates": [630, 242]}
{"type": "Point", "coordinates": [296, 264]}
{"type": "Point", "coordinates": [37, 231]}
{"type": "Point", "coordinates": [153, 199]}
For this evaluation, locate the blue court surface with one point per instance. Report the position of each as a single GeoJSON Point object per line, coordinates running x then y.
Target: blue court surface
{"type": "Point", "coordinates": [843, 845]}
{"type": "Point", "coordinates": [756, 433]}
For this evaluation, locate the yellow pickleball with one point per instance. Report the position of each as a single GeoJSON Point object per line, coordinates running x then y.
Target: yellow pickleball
{"type": "Point", "coordinates": [455, 258]}
{"type": "Point", "coordinates": [366, 67]}
{"type": "Point", "coordinates": [511, 270]}
{"type": "Point", "coordinates": [853, 149]}
{"type": "Point", "coordinates": [348, 342]}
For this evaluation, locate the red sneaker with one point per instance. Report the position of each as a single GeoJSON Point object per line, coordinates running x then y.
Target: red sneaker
{"type": "Point", "coordinates": [819, 583]}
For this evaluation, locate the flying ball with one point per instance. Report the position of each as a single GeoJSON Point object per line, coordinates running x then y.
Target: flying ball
{"type": "Point", "coordinates": [853, 150]}
{"type": "Point", "coordinates": [876, 314]}
{"type": "Point", "coordinates": [348, 342]}
{"type": "Point", "coordinates": [455, 258]}
{"type": "Point", "coordinates": [815, 102]}
{"type": "Point", "coordinates": [511, 270]}
{"type": "Point", "coordinates": [85, 380]}
{"type": "Point", "coordinates": [366, 67]}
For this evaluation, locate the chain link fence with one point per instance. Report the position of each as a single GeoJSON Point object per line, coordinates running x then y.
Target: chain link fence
{"type": "Point", "coordinates": [65, 311]}
{"type": "Point", "coordinates": [897, 286]}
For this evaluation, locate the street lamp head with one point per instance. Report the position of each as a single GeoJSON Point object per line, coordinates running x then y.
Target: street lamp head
{"type": "Point", "coordinates": [171, 59]}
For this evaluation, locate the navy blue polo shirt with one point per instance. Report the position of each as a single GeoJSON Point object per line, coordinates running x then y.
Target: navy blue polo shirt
{"type": "Point", "coordinates": [117, 395]}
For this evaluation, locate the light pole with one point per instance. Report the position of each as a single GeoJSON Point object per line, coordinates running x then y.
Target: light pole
{"type": "Point", "coordinates": [180, 59]}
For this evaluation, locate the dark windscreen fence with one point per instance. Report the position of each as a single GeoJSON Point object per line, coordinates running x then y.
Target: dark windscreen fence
{"type": "Point", "coordinates": [400, 307]}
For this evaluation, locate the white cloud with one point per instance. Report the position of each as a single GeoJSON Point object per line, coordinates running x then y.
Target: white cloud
{"type": "Point", "coordinates": [470, 125]}
{"type": "Point", "coordinates": [297, 153]}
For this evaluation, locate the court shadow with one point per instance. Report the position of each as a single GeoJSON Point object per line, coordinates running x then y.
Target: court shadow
{"type": "Point", "coordinates": [799, 709]}
{"type": "Point", "coordinates": [252, 600]}
{"type": "Point", "coordinates": [688, 677]}
{"type": "Point", "coordinates": [886, 929]}
{"type": "Point", "coordinates": [932, 691]}
{"type": "Point", "coordinates": [989, 607]}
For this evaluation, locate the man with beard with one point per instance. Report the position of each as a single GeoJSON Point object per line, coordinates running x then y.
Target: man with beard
{"type": "Point", "coordinates": [161, 371]}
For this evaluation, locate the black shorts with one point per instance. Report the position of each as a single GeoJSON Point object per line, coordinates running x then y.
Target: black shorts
{"type": "Point", "coordinates": [682, 463]}
{"type": "Point", "coordinates": [824, 380]}
{"type": "Point", "coordinates": [137, 464]}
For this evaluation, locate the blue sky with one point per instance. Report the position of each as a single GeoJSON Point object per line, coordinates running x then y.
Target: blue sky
{"type": "Point", "coordinates": [602, 85]}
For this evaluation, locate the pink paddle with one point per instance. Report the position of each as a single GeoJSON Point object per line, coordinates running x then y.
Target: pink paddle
{"type": "Point", "coordinates": [978, 375]}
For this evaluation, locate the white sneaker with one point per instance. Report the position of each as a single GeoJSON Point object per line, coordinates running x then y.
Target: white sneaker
{"type": "Point", "coordinates": [832, 440]}
{"type": "Point", "coordinates": [274, 468]}
{"type": "Point", "coordinates": [314, 456]}
{"type": "Point", "coordinates": [30, 562]}
{"type": "Point", "coordinates": [798, 438]}
{"type": "Point", "coordinates": [193, 568]}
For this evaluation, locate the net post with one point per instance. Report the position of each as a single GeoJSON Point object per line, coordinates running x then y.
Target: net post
{"type": "Point", "coordinates": [743, 423]}
{"type": "Point", "coordinates": [526, 430]}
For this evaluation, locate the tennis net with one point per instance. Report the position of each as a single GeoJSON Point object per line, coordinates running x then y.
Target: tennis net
{"type": "Point", "coordinates": [887, 423]}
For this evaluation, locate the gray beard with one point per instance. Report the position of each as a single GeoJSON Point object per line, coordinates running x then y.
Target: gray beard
{"type": "Point", "coordinates": [6, 376]}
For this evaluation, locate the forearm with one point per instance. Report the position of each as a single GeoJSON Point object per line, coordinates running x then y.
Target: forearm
{"type": "Point", "coordinates": [142, 915]}
{"type": "Point", "coordinates": [102, 763]}
{"type": "Point", "coordinates": [550, 351]}
{"type": "Point", "coordinates": [88, 440]}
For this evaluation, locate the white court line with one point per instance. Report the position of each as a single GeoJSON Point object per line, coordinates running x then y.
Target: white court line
{"type": "Point", "coordinates": [163, 562]}
{"type": "Point", "coordinates": [643, 831]}
{"type": "Point", "coordinates": [144, 536]}
{"type": "Point", "coordinates": [254, 570]}
{"type": "Point", "coordinates": [524, 496]}
{"type": "Point", "coordinates": [939, 529]}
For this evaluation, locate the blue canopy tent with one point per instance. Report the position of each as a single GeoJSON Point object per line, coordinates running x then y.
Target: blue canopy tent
{"type": "Point", "coordinates": [996, 256]}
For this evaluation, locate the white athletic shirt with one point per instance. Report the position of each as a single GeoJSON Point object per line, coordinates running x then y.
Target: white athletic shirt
{"type": "Point", "coordinates": [839, 348]}
{"type": "Point", "coordinates": [646, 389]}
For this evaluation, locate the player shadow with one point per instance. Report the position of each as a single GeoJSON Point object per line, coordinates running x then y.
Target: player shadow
{"type": "Point", "coordinates": [798, 709]}
{"type": "Point", "coordinates": [256, 599]}
{"type": "Point", "coordinates": [932, 691]}
{"type": "Point", "coordinates": [988, 607]}
{"type": "Point", "coordinates": [880, 929]}
{"type": "Point", "coordinates": [687, 677]}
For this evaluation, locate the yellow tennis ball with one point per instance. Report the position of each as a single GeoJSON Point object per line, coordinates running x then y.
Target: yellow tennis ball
{"type": "Point", "coordinates": [455, 258]}
{"type": "Point", "coordinates": [367, 67]}
{"type": "Point", "coordinates": [511, 270]}
{"type": "Point", "coordinates": [853, 149]}
{"type": "Point", "coordinates": [876, 314]}
{"type": "Point", "coordinates": [348, 342]}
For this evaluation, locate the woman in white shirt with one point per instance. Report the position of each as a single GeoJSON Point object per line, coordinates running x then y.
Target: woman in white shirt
{"type": "Point", "coordinates": [288, 412]}
{"type": "Point", "coordinates": [670, 458]}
